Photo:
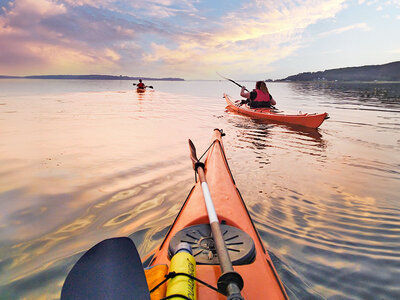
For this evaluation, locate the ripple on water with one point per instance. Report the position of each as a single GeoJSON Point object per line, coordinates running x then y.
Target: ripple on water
{"type": "Point", "coordinates": [345, 239]}
{"type": "Point", "coordinates": [324, 201]}
{"type": "Point", "coordinates": [149, 202]}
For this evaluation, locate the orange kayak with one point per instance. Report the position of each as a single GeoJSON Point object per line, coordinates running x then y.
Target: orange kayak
{"type": "Point", "coordinates": [307, 120]}
{"type": "Point", "coordinates": [139, 90]}
{"type": "Point", "coordinates": [245, 247]}
{"type": "Point", "coordinates": [112, 269]}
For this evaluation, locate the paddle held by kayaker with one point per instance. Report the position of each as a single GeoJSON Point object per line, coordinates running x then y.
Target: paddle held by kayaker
{"type": "Point", "coordinates": [259, 97]}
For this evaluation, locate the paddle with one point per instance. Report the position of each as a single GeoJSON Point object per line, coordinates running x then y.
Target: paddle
{"type": "Point", "coordinates": [230, 282]}
{"type": "Point", "coordinates": [232, 81]}
{"type": "Point", "coordinates": [112, 269]}
{"type": "Point", "coordinates": [146, 86]}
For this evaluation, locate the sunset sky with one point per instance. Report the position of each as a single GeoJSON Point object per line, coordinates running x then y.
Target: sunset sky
{"type": "Point", "coordinates": [194, 39]}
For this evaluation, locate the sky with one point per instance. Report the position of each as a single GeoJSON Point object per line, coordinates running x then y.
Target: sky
{"type": "Point", "coordinates": [250, 39]}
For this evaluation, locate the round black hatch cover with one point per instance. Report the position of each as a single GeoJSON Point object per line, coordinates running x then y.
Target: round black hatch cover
{"type": "Point", "coordinates": [239, 244]}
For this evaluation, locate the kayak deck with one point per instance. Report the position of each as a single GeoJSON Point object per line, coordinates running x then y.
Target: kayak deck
{"type": "Point", "coordinates": [260, 278]}
{"type": "Point", "coordinates": [306, 120]}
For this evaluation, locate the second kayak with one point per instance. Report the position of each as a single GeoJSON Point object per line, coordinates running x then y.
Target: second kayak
{"type": "Point", "coordinates": [306, 120]}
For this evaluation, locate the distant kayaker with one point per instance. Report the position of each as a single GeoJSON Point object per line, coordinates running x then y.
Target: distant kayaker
{"type": "Point", "coordinates": [259, 97]}
{"type": "Point", "coordinates": [141, 85]}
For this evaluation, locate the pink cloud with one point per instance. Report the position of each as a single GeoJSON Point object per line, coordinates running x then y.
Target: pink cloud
{"type": "Point", "coordinates": [41, 35]}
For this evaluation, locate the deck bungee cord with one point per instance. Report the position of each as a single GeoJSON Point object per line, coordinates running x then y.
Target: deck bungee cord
{"type": "Point", "coordinates": [174, 274]}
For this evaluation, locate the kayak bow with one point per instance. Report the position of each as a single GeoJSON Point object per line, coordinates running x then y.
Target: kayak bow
{"type": "Point", "coordinates": [247, 253]}
{"type": "Point", "coordinates": [112, 269]}
{"type": "Point", "coordinates": [307, 120]}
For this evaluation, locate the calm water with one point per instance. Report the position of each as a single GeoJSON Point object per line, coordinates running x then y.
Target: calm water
{"type": "Point", "coordinates": [81, 161]}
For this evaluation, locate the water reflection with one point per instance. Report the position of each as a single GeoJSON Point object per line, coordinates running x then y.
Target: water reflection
{"type": "Point", "coordinates": [260, 134]}
{"type": "Point", "coordinates": [343, 236]}
{"type": "Point", "coordinates": [81, 167]}
{"type": "Point", "coordinates": [384, 94]}
{"type": "Point", "coordinates": [144, 95]}
{"type": "Point", "coordinates": [145, 206]}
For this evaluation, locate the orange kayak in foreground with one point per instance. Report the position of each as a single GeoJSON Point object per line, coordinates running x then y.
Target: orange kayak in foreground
{"type": "Point", "coordinates": [139, 90]}
{"type": "Point", "coordinates": [246, 250]}
{"type": "Point", "coordinates": [306, 120]}
{"type": "Point", "coordinates": [212, 232]}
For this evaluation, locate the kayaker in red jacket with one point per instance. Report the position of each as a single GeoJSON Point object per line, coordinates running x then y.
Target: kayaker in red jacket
{"type": "Point", "coordinates": [141, 85]}
{"type": "Point", "coordinates": [259, 97]}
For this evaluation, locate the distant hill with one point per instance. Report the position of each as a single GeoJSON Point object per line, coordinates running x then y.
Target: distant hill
{"type": "Point", "coordinates": [386, 72]}
{"type": "Point", "coordinates": [91, 77]}
{"type": "Point", "coordinates": [5, 76]}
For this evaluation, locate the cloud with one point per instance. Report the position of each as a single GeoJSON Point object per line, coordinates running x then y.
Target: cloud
{"type": "Point", "coordinates": [333, 51]}
{"type": "Point", "coordinates": [25, 13]}
{"type": "Point", "coordinates": [48, 37]}
{"type": "Point", "coordinates": [158, 9]}
{"type": "Point", "coordinates": [247, 39]}
{"type": "Point", "coordinates": [386, 3]}
{"type": "Point", "coordinates": [362, 26]}
{"type": "Point", "coordinates": [157, 37]}
{"type": "Point", "coordinates": [92, 3]}
{"type": "Point", "coordinates": [20, 31]}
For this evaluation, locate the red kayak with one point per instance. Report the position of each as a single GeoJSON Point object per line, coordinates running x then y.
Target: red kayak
{"type": "Point", "coordinates": [306, 120]}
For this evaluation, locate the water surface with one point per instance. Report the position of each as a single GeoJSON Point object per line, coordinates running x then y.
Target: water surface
{"type": "Point", "coordinates": [82, 161]}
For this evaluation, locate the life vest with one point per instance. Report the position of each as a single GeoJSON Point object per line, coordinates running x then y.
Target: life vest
{"type": "Point", "coordinates": [140, 85]}
{"type": "Point", "coordinates": [261, 96]}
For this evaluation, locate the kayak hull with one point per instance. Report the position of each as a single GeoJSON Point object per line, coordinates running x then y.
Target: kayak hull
{"type": "Point", "coordinates": [139, 90]}
{"type": "Point", "coordinates": [306, 120]}
{"type": "Point", "coordinates": [260, 278]}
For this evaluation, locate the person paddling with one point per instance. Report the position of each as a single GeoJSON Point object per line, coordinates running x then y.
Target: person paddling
{"type": "Point", "coordinates": [141, 85]}
{"type": "Point", "coordinates": [259, 97]}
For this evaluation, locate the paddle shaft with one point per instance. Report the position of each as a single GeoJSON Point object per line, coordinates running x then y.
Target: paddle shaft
{"type": "Point", "coordinates": [222, 251]}
{"type": "Point", "coordinates": [233, 81]}
{"type": "Point", "coordinates": [229, 279]}
{"type": "Point", "coordinates": [146, 86]}
{"type": "Point", "coordinates": [226, 264]}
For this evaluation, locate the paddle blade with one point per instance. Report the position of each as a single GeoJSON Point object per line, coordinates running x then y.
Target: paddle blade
{"type": "Point", "coordinates": [193, 155]}
{"type": "Point", "coordinates": [222, 76]}
{"type": "Point", "coordinates": [112, 269]}
{"type": "Point", "coordinates": [150, 86]}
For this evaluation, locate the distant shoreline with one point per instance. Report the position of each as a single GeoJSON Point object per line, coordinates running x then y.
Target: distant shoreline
{"type": "Point", "coordinates": [319, 80]}
{"type": "Point", "coordinates": [389, 72]}
{"type": "Point", "coordinates": [91, 77]}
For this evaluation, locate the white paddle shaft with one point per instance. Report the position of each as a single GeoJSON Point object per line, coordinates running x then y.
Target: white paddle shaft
{"type": "Point", "coordinates": [212, 216]}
